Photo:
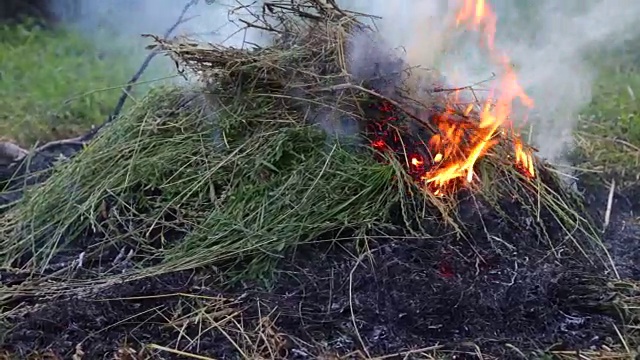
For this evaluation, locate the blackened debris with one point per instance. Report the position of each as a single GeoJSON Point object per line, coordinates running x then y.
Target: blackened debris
{"type": "Point", "coordinates": [401, 294]}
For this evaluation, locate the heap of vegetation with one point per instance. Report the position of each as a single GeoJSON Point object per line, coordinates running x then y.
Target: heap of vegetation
{"type": "Point", "coordinates": [237, 175]}
{"type": "Point", "coordinates": [242, 169]}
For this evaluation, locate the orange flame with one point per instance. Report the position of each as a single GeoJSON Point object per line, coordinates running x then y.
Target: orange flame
{"type": "Point", "coordinates": [457, 162]}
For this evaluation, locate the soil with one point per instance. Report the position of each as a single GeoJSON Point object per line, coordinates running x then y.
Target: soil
{"type": "Point", "coordinates": [500, 293]}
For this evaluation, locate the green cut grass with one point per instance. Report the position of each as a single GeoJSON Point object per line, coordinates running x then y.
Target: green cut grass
{"type": "Point", "coordinates": [258, 191]}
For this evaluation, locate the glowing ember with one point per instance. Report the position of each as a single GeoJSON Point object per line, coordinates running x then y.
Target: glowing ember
{"type": "Point", "coordinates": [452, 153]}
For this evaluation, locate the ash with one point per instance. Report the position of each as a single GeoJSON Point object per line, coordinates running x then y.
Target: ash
{"type": "Point", "coordinates": [622, 234]}
{"type": "Point", "coordinates": [404, 293]}
{"type": "Point", "coordinates": [494, 289]}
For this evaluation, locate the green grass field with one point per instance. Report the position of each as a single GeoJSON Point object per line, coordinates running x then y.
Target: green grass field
{"type": "Point", "coordinates": [609, 133]}
{"type": "Point", "coordinates": [55, 84]}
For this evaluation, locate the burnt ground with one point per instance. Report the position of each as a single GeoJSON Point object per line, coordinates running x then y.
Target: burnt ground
{"type": "Point", "coordinates": [403, 294]}
{"type": "Point", "coordinates": [623, 234]}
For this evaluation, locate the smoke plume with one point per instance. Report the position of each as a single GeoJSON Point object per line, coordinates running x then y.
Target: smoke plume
{"type": "Point", "coordinates": [116, 26]}
{"type": "Point", "coordinates": [546, 40]}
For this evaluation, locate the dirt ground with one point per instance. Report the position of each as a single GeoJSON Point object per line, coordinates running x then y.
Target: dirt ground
{"type": "Point", "coordinates": [503, 293]}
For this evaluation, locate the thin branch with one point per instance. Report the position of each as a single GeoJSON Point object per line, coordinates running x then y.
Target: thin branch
{"type": "Point", "coordinates": [468, 87]}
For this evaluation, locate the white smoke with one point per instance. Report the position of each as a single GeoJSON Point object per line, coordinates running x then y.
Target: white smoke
{"type": "Point", "coordinates": [117, 25]}
{"type": "Point", "coordinates": [546, 40]}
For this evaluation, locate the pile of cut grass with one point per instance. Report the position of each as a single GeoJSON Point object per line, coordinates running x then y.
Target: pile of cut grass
{"type": "Point", "coordinates": [308, 68]}
{"type": "Point", "coordinates": [190, 180]}
{"type": "Point", "coordinates": [245, 186]}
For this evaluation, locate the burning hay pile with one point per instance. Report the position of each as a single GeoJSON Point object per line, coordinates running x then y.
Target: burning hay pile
{"type": "Point", "coordinates": [461, 233]}
{"type": "Point", "coordinates": [446, 145]}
